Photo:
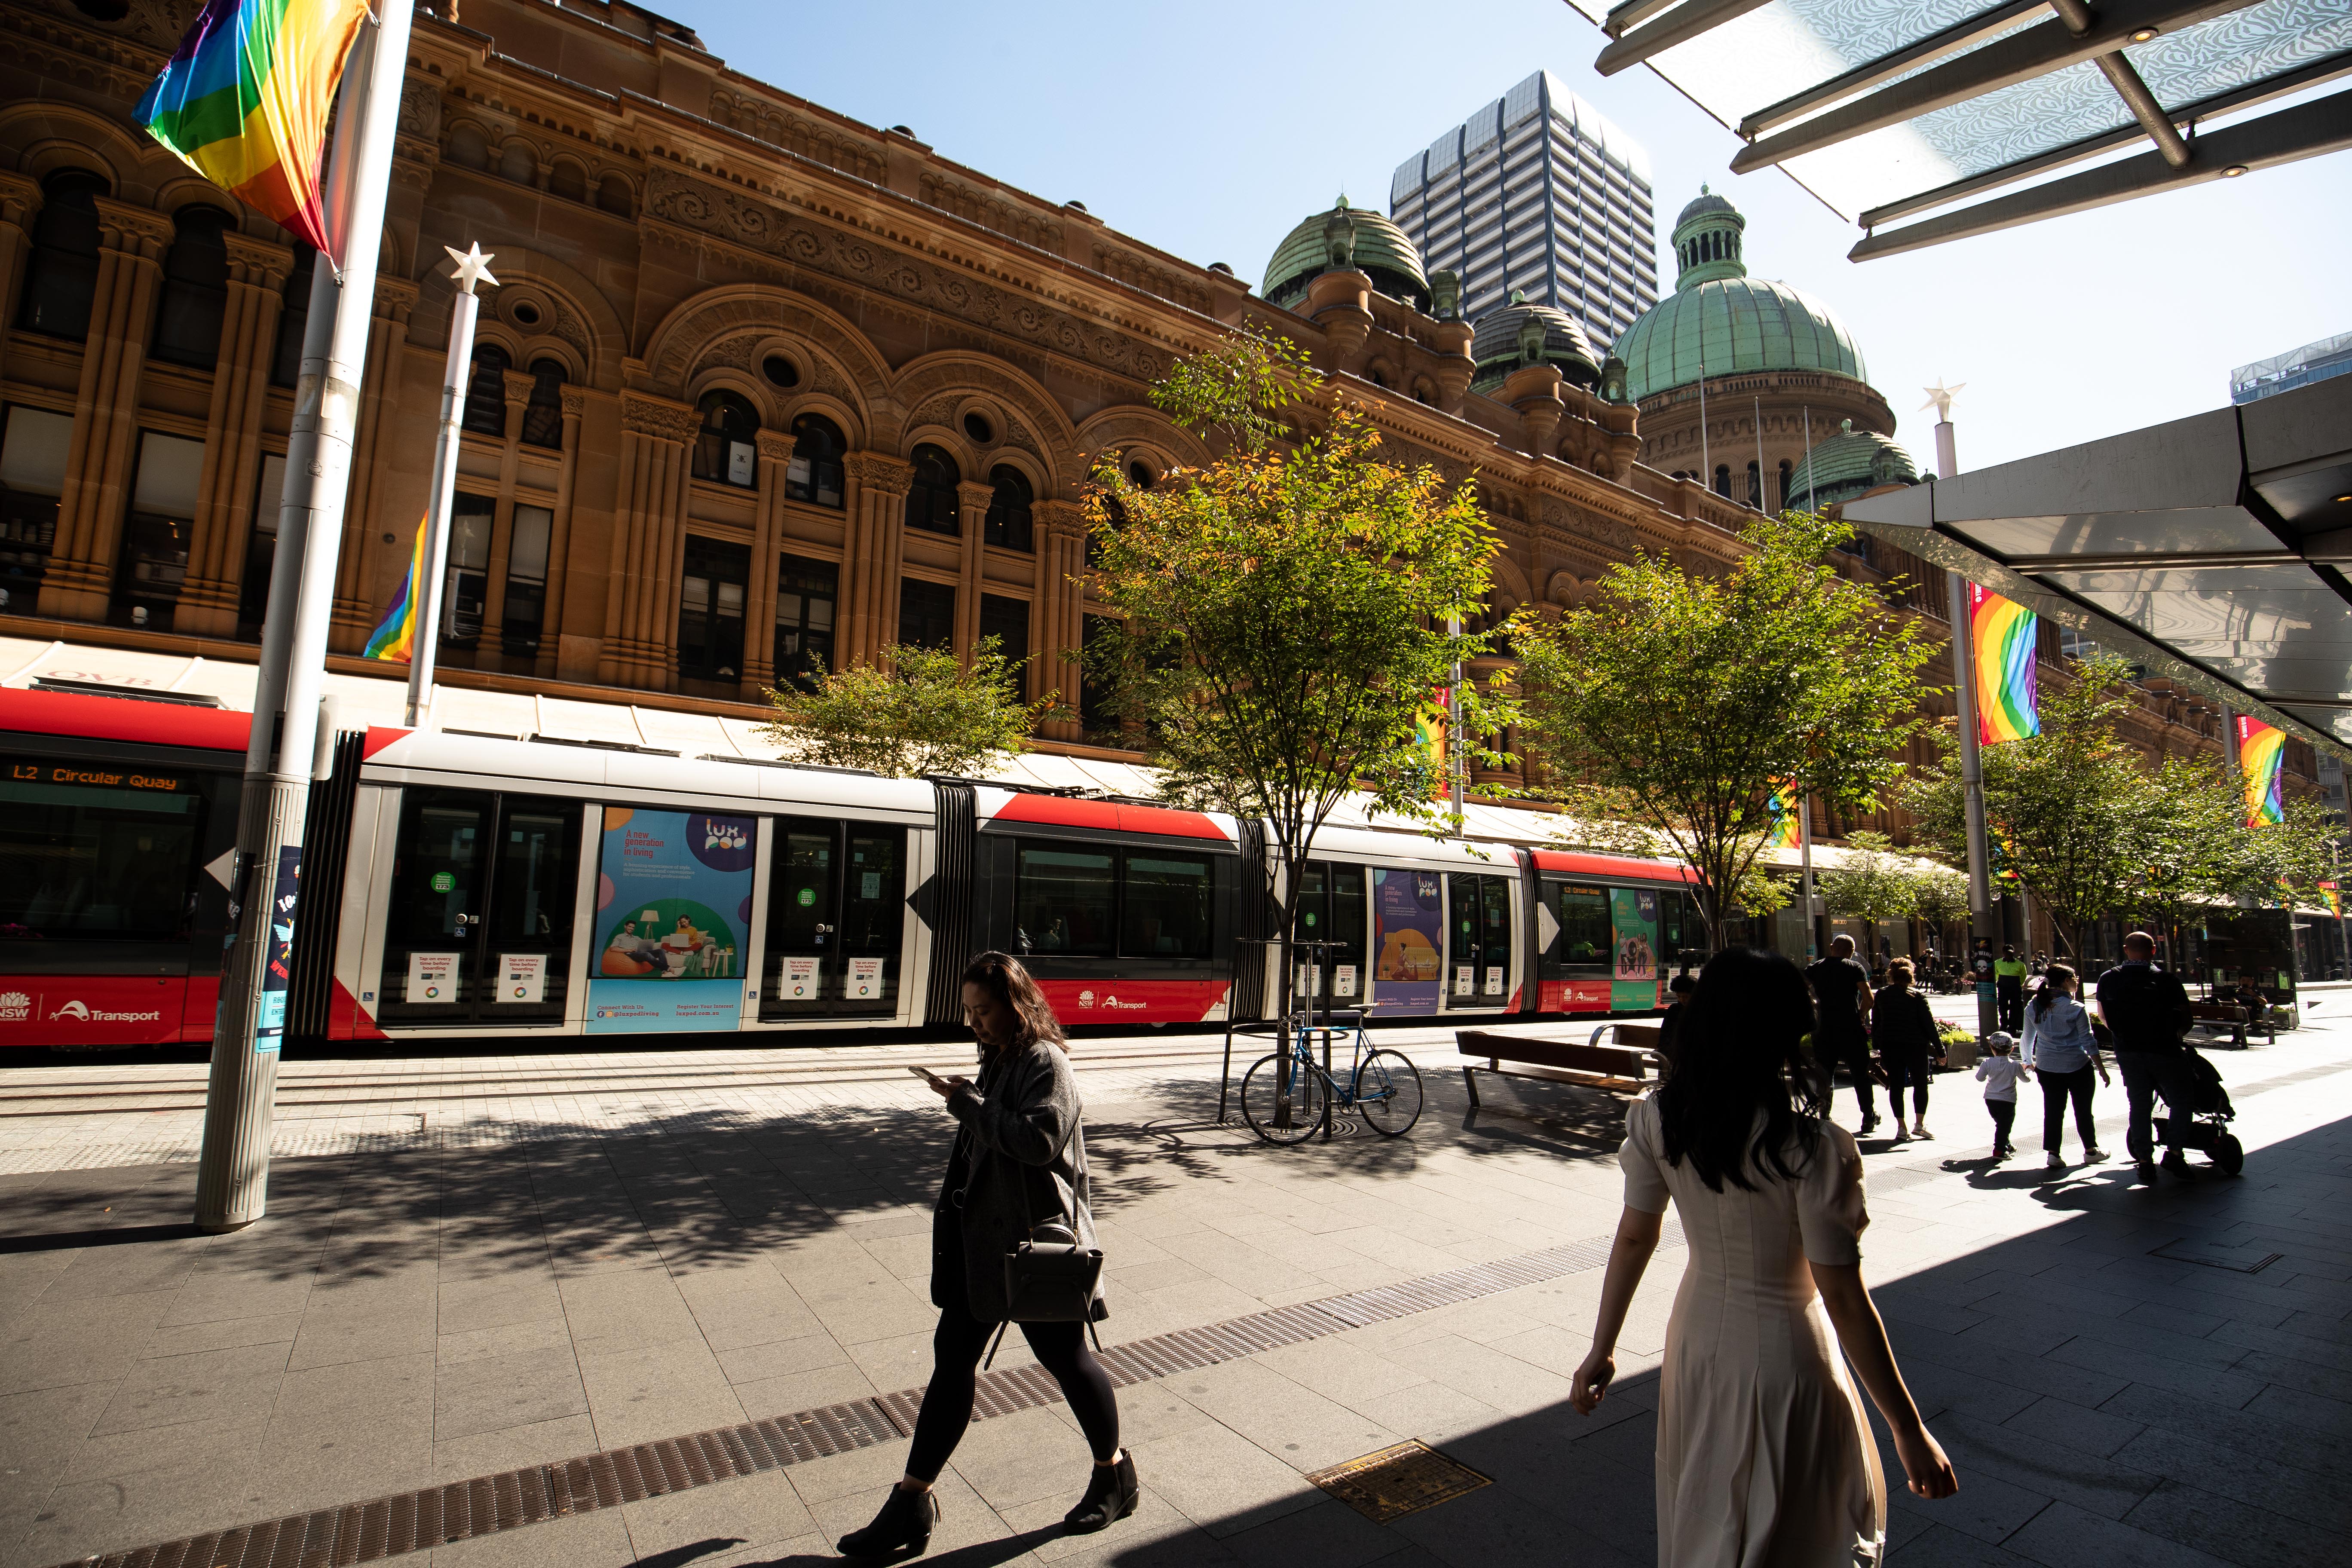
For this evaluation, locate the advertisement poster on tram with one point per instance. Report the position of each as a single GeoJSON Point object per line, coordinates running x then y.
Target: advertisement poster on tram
{"type": "Point", "coordinates": [1407, 923]}
{"type": "Point", "coordinates": [1633, 967]}
{"type": "Point", "coordinates": [673, 911]}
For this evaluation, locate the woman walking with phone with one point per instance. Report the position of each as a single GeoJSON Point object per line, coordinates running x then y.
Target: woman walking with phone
{"type": "Point", "coordinates": [1019, 1158]}
{"type": "Point", "coordinates": [1763, 1453]}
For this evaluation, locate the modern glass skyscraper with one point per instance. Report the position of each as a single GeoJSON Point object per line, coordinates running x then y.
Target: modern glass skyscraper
{"type": "Point", "coordinates": [1538, 193]}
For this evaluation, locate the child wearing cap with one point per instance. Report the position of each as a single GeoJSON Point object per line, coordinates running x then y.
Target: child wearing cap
{"type": "Point", "coordinates": [1999, 1072]}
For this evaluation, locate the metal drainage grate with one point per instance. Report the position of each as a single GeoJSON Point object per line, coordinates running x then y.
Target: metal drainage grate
{"type": "Point", "coordinates": [1398, 1481]}
{"type": "Point", "coordinates": [486, 1505]}
{"type": "Point", "coordinates": [2247, 1259]}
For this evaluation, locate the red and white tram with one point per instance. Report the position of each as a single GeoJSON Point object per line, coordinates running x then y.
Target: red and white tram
{"type": "Point", "coordinates": [461, 886]}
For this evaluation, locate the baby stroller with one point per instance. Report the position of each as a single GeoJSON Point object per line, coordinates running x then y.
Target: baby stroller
{"type": "Point", "coordinates": [2203, 1123]}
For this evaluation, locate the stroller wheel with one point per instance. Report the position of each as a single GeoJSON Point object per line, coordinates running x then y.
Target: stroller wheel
{"type": "Point", "coordinates": [2229, 1154]}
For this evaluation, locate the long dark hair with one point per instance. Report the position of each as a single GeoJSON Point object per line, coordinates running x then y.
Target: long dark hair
{"type": "Point", "coordinates": [2053, 978]}
{"type": "Point", "coordinates": [1004, 977]}
{"type": "Point", "coordinates": [1740, 1050]}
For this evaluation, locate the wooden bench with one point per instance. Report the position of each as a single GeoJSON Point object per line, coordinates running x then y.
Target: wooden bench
{"type": "Point", "coordinates": [2234, 1018]}
{"type": "Point", "coordinates": [1627, 1068]}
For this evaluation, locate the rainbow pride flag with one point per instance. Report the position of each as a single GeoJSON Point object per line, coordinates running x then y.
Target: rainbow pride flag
{"type": "Point", "coordinates": [2332, 897]}
{"type": "Point", "coordinates": [394, 637]}
{"type": "Point", "coordinates": [2002, 634]}
{"type": "Point", "coordinates": [244, 103]}
{"type": "Point", "coordinates": [1781, 832]}
{"type": "Point", "coordinates": [2261, 753]}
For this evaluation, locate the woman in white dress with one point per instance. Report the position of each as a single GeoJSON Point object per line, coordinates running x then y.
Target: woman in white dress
{"type": "Point", "coordinates": [1764, 1458]}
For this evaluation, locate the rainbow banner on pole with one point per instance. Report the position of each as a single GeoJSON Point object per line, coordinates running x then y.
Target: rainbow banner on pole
{"type": "Point", "coordinates": [2002, 634]}
{"type": "Point", "coordinates": [394, 637]}
{"type": "Point", "coordinates": [1781, 832]}
{"type": "Point", "coordinates": [2262, 753]}
{"type": "Point", "coordinates": [244, 103]}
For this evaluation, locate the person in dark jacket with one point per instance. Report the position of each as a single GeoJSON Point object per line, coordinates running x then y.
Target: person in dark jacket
{"type": "Point", "coordinates": [1841, 987]}
{"type": "Point", "coordinates": [1902, 1027]}
{"type": "Point", "coordinates": [1019, 1159]}
{"type": "Point", "coordinates": [2146, 1010]}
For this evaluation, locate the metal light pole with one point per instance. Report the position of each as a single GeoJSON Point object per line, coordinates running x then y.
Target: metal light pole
{"type": "Point", "coordinates": [1964, 684]}
{"type": "Point", "coordinates": [433, 561]}
{"type": "Point", "coordinates": [232, 1172]}
{"type": "Point", "coordinates": [1456, 764]}
{"type": "Point", "coordinates": [1805, 861]}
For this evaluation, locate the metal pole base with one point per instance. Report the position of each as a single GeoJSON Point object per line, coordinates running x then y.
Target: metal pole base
{"type": "Point", "coordinates": [232, 1226]}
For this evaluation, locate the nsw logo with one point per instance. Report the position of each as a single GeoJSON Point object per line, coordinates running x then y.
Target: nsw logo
{"type": "Point", "coordinates": [16, 1008]}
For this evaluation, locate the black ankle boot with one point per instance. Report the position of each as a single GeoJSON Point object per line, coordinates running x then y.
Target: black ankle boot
{"type": "Point", "coordinates": [1111, 1494]}
{"type": "Point", "coordinates": [902, 1528]}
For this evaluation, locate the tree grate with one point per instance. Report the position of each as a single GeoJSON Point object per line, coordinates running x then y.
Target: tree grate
{"type": "Point", "coordinates": [1397, 1481]}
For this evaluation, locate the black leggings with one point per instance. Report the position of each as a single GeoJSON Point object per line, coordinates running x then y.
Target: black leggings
{"type": "Point", "coordinates": [1851, 1052]}
{"type": "Point", "coordinates": [2057, 1089]}
{"type": "Point", "coordinates": [1910, 1068]}
{"type": "Point", "coordinates": [957, 1345]}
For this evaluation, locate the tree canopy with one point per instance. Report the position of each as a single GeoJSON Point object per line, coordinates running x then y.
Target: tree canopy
{"type": "Point", "coordinates": [920, 712]}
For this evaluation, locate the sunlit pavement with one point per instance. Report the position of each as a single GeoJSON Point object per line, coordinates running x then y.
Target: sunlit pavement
{"type": "Point", "coordinates": [477, 1264]}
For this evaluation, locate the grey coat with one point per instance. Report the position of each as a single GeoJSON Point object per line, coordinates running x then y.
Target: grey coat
{"type": "Point", "coordinates": [1021, 1154]}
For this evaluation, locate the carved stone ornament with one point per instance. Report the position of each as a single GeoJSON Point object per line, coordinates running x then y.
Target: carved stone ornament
{"type": "Point", "coordinates": [659, 418]}
{"type": "Point", "coordinates": [1063, 518]}
{"type": "Point", "coordinates": [737, 218]}
{"type": "Point", "coordinates": [775, 446]}
{"type": "Point", "coordinates": [575, 402]}
{"type": "Point", "coordinates": [519, 385]}
{"type": "Point", "coordinates": [259, 263]}
{"type": "Point", "coordinates": [137, 229]}
{"type": "Point", "coordinates": [878, 471]}
{"type": "Point", "coordinates": [420, 109]}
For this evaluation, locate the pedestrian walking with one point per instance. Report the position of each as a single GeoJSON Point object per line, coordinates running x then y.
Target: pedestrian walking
{"type": "Point", "coordinates": [1841, 988]}
{"type": "Point", "coordinates": [2062, 1051]}
{"type": "Point", "coordinates": [1019, 1159]}
{"type": "Point", "coordinates": [2146, 1008]}
{"type": "Point", "coordinates": [2008, 988]}
{"type": "Point", "coordinates": [1764, 1455]}
{"type": "Point", "coordinates": [1999, 1072]}
{"type": "Point", "coordinates": [1904, 1030]}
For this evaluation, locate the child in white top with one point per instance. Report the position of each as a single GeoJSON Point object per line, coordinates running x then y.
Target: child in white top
{"type": "Point", "coordinates": [2001, 1072]}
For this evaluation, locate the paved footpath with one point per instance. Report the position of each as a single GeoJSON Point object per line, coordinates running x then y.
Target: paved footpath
{"type": "Point", "coordinates": [666, 1307]}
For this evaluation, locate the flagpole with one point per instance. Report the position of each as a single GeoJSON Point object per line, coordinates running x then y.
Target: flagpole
{"type": "Point", "coordinates": [433, 562]}
{"type": "Point", "coordinates": [1805, 862]}
{"type": "Point", "coordinates": [1964, 688]}
{"type": "Point", "coordinates": [282, 753]}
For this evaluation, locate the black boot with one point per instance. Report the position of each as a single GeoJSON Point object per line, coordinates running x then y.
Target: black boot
{"type": "Point", "coordinates": [1111, 1494]}
{"type": "Point", "coordinates": [902, 1528]}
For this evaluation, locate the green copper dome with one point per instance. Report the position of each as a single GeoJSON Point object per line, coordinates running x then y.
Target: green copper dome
{"type": "Point", "coordinates": [1519, 333]}
{"type": "Point", "coordinates": [1843, 466]}
{"type": "Point", "coordinates": [1345, 237]}
{"type": "Point", "coordinates": [1721, 319]}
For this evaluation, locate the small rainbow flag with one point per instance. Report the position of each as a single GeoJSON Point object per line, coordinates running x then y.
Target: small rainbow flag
{"type": "Point", "coordinates": [1781, 817]}
{"type": "Point", "coordinates": [2332, 897]}
{"type": "Point", "coordinates": [2002, 634]}
{"type": "Point", "coordinates": [394, 637]}
{"type": "Point", "coordinates": [244, 103]}
{"type": "Point", "coordinates": [2262, 753]}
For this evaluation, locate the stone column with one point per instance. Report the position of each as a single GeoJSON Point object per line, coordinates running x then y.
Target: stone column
{"type": "Point", "coordinates": [648, 514]}
{"type": "Point", "coordinates": [355, 614]}
{"type": "Point", "coordinates": [519, 387]}
{"type": "Point", "coordinates": [871, 553]}
{"type": "Point", "coordinates": [105, 446]}
{"type": "Point", "coordinates": [1059, 621]}
{"type": "Point", "coordinates": [972, 509]}
{"type": "Point", "coordinates": [767, 537]}
{"type": "Point", "coordinates": [226, 495]}
{"type": "Point", "coordinates": [20, 199]}
{"type": "Point", "coordinates": [559, 538]}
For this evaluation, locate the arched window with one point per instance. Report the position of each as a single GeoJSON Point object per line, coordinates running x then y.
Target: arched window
{"type": "Point", "coordinates": [814, 475]}
{"type": "Point", "coordinates": [568, 180]}
{"type": "Point", "coordinates": [1140, 475]}
{"type": "Point", "coordinates": [542, 422]}
{"type": "Point", "coordinates": [195, 290]}
{"type": "Point", "coordinates": [293, 319]}
{"type": "Point", "coordinates": [517, 164]}
{"type": "Point", "coordinates": [62, 271]}
{"type": "Point", "coordinates": [1754, 487]}
{"type": "Point", "coordinates": [485, 394]}
{"type": "Point", "coordinates": [1723, 479]}
{"type": "Point", "coordinates": [1008, 509]}
{"type": "Point", "coordinates": [724, 449]}
{"type": "Point", "coordinates": [932, 502]}
{"type": "Point", "coordinates": [1786, 499]}
{"type": "Point", "coordinates": [466, 149]}
{"type": "Point", "coordinates": [613, 196]}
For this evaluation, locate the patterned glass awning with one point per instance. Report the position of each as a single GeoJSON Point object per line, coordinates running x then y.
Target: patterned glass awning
{"type": "Point", "coordinates": [2213, 549]}
{"type": "Point", "coordinates": [1890, 109]}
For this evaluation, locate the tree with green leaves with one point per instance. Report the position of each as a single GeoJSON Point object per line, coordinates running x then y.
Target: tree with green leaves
{"type": "Point", "coordinates": [920, 711]}
{"type": "Point", "coordinates": [1283, 614]}
{"type": "Point", "coordinates": [1871, 883]}
{"type": "Point", "coordinates": [1679, 699]}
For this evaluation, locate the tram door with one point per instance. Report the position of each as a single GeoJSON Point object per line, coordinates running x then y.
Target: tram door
{"type": "Point", "coordinates": [836, 911]}
{"type": "Point", "coordinates": [1477, 940]}
{"type": "Point", "coordinates": [479, 927]}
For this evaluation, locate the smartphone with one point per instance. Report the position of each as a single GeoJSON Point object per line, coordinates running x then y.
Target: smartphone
{"type": "Point", "coordinates": [926, 1074]}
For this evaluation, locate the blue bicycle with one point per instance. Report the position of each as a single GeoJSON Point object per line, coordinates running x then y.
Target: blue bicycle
{"type": "Point", "coordinates": [1286, 1096]}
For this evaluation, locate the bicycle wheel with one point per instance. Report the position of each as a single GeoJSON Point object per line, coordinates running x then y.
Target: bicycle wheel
{"type": "Point", "coordinates": [1280, 1111]}
{"type": "Point", "coordinates": [1387, 1092]}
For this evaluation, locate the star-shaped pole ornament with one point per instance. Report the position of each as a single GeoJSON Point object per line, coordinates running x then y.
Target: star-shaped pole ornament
{"type": "Point", "coordinates": [473, 267]}
{"type": "Point", "coordinates": [1939, 396]}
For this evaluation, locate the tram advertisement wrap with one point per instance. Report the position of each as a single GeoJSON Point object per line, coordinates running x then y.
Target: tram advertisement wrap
{"type": "Point", "coordinates": [673, 906]}
{"type": "Point", "coordinates": [1633, 955]}
{"type": "Point", "coordinates": [1408, 922]}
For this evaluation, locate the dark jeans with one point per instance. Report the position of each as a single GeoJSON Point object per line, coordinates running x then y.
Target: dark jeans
{"type": "Point", "coordinates": [2057, 1089]}
{"type": "Point", "coordinates": [2147, 1074]}
{"type": "Point", "coordinates": [2004, 1113]}
{"type": "Point", "coordinates": [957, 1345]}
{"type": "Point", "coordinates": [1907, 1067]}
{"type": "Point", "coordinates": [2011, 994]}
{"type": "Point", "coordinates": [1852, 1052]}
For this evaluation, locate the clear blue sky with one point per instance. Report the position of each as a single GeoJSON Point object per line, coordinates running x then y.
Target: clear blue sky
{"type": "Point", "coordinates": [1208, 128]}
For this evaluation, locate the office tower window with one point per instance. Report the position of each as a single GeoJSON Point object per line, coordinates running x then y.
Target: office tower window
{"type": "Point", "coordinates": [805, 592]}
{"type": "Point", "coordinates": [542, 421]}
{"type": "Point", "coordinates": [485, 413]}
{"type": "Point", "coordinates": [724, 449]}
{"type": "Point", "coordinates": [464, 589]}
{"type": "Point", "coordinates": [61, 272]}
{"type": "Point", "coordinates": [931, 499]}
{"type": "Point", "coordinates": [815, 474]}
{"type": "Point", "coordinates": [33, 443]}
{"type": "Point", "coordinates": [1007, 620]}
{"type": "Point", "coordinates": [154, 559]}
{"type": "Point", "coordinates": [522, 623]}
{"type": "Point", "coordinates": [926, 613]}
{"type": "Point", "coordinates": [710, 598]}
{"type": "Point", "coordinates": [194, 296]}
{"type": "Point", "coordinates": [1008, 524]}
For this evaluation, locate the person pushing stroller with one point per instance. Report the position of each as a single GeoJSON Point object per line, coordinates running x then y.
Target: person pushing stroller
{"type": "Point", "coordinates": [2146, 1008]}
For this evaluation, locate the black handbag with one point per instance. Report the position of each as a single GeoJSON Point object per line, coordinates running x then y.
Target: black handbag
{"type": "Point", "coordinates": [1051, 1276]}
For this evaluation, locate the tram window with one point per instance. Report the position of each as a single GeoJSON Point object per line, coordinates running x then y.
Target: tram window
{"type": "Point", "coordinates": [436, 880]}
{"type": "Point", "coordinates": [1680, 930]}
{"type": "Point", "coordinates": [1331, 906]}
{"type": "Point", "coordinates": [536, 883]}
{"type": "Point", "coordinates": [1062, 901]}
{"type": "Point", "coordinates": [1168, 900]}
{"type": "Point", "coordinates": [87, 853]}
{"type": "Point", "coordinates": [1582, 943]}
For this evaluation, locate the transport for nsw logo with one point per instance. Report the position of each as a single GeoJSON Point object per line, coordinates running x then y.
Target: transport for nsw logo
{"type": "Point", "coordinates": [16, 1008]}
